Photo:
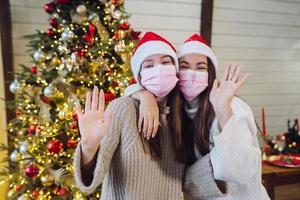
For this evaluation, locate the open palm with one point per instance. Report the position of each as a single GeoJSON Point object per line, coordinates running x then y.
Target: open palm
{"type": "Point", "coordinates": [93, 123]}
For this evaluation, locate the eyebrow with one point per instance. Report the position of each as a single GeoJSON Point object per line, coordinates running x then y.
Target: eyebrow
{"type": "Point", "coordinates": [185, 62]}
{"type": "Point", "coordinates": [200, 63]}
{"type": "Point", "coordinates": [166, 56]}
{"type": "Point", "coordinates": [148, 60]}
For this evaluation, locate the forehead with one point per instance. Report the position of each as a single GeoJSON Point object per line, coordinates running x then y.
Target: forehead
{"type": "Point", "coordinates": [156, 56]}
{"type": "Point", "coordinates": [193, 57]}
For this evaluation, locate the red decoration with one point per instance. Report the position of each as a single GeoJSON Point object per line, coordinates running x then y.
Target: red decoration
{"type": "Point", "coordinates": [31, 129]}
{"type": "Point", "coordinates": [53, 22]}
{"type": "Point", "coordinates": [63, 191]}
{"type": "Point", "coordinates": [35, 193]}
{"type": "Point", "coordinates": [49, 8]}
{"type": "Point", "coordinates": [135, 35]}
{"type": "Point", "coordinates": [19, 187]}
{"type": "Point", "coordinates": [54, 146]}
{"type": "Point", "coordinates": [116, 35]}
{"type": "Point", "coordinates": [115, 2]}
{"type": "Point", "coordinates": [109, 96]}
{"type": "Point", "coordinates": [31, 171]}
{"type": "Point", "coordinates": [56, 190]}
{"type": "Point", "coordinates": [81, 52]}
{"type": "Point", "coordinates": [90, 34]}
{"type": "Point", "coordinates": [114, 84]}
{"type": "Point", "coordinates": [132, 81]}
{"type": "Point", "coordinates": [124, 26]}
{"type": "Point", "coordinates": [71, 143]}
{"type": "Point", "coordinates": [75, 116]}
{"type": "Point", "coordinates": [34, 69]}
{"type": "Point", "coordinates": [46, 100]}
{"type": "Point", "coordinates": [74, 126]}
{"type": "Point", "coordinates": [264, 131]}
{"type": "Point", "coordinates": [50, 32]}
{"type": "Point", "coordinates": [62, 1]}
{"type": "Point", "coordinates": [18, 113]}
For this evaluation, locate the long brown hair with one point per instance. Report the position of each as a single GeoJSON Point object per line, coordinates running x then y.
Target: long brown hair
{"type": "Point", "coordinates": [196, 131]}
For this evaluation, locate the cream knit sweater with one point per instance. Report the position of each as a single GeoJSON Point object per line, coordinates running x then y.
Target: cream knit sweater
{"type": "Point", "coordinates": [125, 171]}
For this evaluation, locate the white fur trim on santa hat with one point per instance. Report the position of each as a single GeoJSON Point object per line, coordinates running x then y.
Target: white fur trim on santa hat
{"type": "Point", "coordinates": [148, 49]}
{"type": "Point", "coordinates": [198, 47]}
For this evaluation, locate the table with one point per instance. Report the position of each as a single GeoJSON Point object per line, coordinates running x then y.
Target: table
{"type": "Point", "coordinates": [274, 176]}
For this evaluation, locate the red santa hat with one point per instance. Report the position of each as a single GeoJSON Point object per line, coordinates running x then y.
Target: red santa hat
{"type": "Point", "coordinates": [151, 44]}
{"type": "Point", "coordinates": [196, 44]}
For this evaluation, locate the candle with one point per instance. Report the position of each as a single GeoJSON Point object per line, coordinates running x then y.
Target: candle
{"type": "Point", "coordinates": [264, 131]}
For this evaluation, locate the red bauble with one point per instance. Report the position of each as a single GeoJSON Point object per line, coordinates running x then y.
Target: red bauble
{"type": "Point", "coordinates": [81, 52]}
{"type": "Point", "coordinates": [34, 69]}
{"type": "Point", "coordinates": [51, 32]}
{"type": "Point", "coordinates": [35, 193]}
{"type": "Point", "coordinates": [75, 116]}
{"type": "Point", "coordinates": [53, 22]}
{"type": "Point", "coordinates": [31, 171]}
{"type": "Point", "coordinates": [18, 113]}
{"type": "Point", "coordinates": [109, 96]}
{"type": "Point", "coordinates": [124, 26]}
{"type": "Point", "coordinates": [74, 126]}
{"type": "Point", "coordinates": [62, 1]}
{"type": "Point", "coordinates": [49, 8]}
{"type": "Point", "coordinates": [71, 143]}
{"type": "Point", "coordinates": [54, 146]}
{"type": "Point", "coordinates": [135, 35]}
{"type": "Point", "coordinates": [114, 84]}
{"type": "Point", "coordinates": [46, 100]}
{"type": "Point", "coordinates": [31, 129]}
{"type": "Point", "coordinates": [63, 191]}
{"type": "Point", "coordinates": [19, 187]}
{"type": "Point", "coordinates": [132, 81]}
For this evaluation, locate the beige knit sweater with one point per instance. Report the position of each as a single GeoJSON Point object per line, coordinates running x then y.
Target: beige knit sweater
{"type": "Point", "coordinates": [127, 173]}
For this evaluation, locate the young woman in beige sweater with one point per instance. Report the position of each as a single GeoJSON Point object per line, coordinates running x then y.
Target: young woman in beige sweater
{"type": "Point", "coordinates": [113, 153]}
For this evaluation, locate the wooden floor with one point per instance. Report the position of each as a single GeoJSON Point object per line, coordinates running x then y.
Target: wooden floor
{"type": "Point", "coordinates": [287, 192]}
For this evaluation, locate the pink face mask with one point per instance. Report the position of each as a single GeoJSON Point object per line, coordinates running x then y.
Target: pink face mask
{"type": "Point", "coordinates": [192, 83]}
{"type": "Point", "coordinates": [160, 79]}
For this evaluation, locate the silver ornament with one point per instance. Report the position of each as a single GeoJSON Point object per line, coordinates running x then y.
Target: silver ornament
{"type": "Point", "coordinates": [117, 14]}
{"type": "Point", "coordinates": [38, 55]}
{"type": "Point", "coordinates": [81, 9]}
{"type": "Point", "coordinates": [48, 91]}
{"type": "Point", "coordinates": [23, 148]}
{"type": "Point", "coordinates": [14, 86]}
{"type": "Point", "coordinates": [14, 156]}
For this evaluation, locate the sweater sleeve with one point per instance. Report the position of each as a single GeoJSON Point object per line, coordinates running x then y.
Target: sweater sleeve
{"type": "Point", "coordinates": [199, 182]}
{"type": "Point", "coordinates": [235, 157]}
{"type": "Point", "coordinates": [131, 89]}
{"type": "Point", "coordinates": [105, 153]}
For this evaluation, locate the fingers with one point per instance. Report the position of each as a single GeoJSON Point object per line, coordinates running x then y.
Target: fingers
{"type": "Point", "coordinates": [140, 123]}
{"type": "Point", "coordinates": [78, 109]}
{"type": "Point", "coordinates": [242, 80]}
{"type": "Point", "coordinates": [225, 76]}
{"type": "Point", "coordinates": [95, 98]}
{"type": "Point", "coordinates": [101, 101]}
{"type": "Point", "coordinates": [88, 101]}
{"type": "Point", "coordinates": [155, 126]}
{"type": "Point", "coordinates": [150, 128]}
{"type": "Point", "coordinates": [145, 127]}
{"type": "Point", "coordinates": [216, 84]}
{"type": "Point", "coordinates": [237, 73]}
{"type": "Point", "coordinates": [232, 71]}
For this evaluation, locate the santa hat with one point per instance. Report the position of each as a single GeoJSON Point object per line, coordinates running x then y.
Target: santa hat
{"type": "Point", "coordinates": [196, 44]}
{"type": "Point", "coordinates": [149, 45]}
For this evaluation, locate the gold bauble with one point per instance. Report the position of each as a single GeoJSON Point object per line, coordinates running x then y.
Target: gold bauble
{"type": "Point", "coordinates": [46, 180]}
{"type": "Point", "coordinates": [55, 61]}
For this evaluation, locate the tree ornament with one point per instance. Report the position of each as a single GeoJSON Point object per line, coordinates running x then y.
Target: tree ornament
{"type": "Point", "coordinates": [39, 55]}
{"type": "Point", "coordinates": [34, 69]}
{"type": "Point", "coordinates": [14, 86]}
{"type": "Point", "coordinates": [71, 143]}
{"type": "Point", "coordinates": [81, 9]}
{"type": "Point", "coordinates": [23, 148]}
{"type": "Point", "coordinates": [49, 90]}
{"type": "Point", "coordinates": [124, 26]}
{"type": "Point", "coordinates": [53, 22]}
{"type": "Point", "coordinates": [46, 180]}
{"type": "Point", "coordinates": [109, 96]}
{"type": "Point", "coordinates": [54, 146]}
{"type": "Point", "coordinates": [62, 1]}
{"type": "Point", "coordinates": [31, 171]}
{"type": "Point", "coordinates": [49, 8]}
{"type": "Point", "coordinates": [67, 35]}
{"type": "Point", "coordinates": [14, 156]}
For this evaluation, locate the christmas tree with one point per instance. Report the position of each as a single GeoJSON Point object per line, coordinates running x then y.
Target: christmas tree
{"type": "Point", "coordinates": [89, 42]}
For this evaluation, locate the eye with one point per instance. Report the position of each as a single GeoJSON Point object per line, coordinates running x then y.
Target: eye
{"type": "Point", "coordinates": [148, 66]}
{"type": "Point", "coordinates": [166, 62]}
{"type": "Point", "coordinates": [183, 66]}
